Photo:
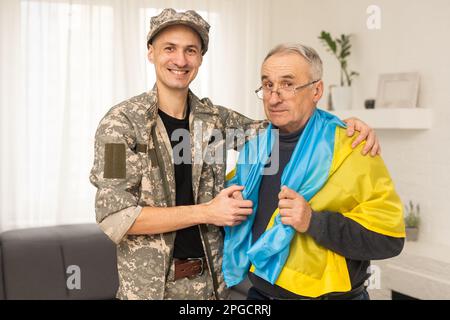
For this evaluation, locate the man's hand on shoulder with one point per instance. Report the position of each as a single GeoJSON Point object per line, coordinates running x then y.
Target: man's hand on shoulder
{"type": "Point", "coordinates": [365, 133]}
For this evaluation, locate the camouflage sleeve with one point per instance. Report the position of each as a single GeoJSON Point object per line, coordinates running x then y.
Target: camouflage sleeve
{"type": "Point", "coordinates": [233, 120]}
{"type": "Point", "coordinates": [117, 175]}
{"type": "Point", "coordinates": [116, 225]}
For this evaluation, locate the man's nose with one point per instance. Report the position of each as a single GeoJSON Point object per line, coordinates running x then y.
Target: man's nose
{"type": "Point", "coordinates": [274, 98]}
{"type": "Point", "coordinates": [180, 59]}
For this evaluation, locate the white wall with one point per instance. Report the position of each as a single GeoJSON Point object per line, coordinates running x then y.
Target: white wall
{"type": "Point", "coordinates": [413, 37]}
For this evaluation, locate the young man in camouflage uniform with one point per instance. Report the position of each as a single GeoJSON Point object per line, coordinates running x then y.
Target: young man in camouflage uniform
{"type": "Point", "coordinates": [165, 216]}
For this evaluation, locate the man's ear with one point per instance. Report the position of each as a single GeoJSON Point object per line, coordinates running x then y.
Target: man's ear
{"type": "Point", "coordinates": [151, 54]}
{"type": "Point", "coordinates": [318, 91]}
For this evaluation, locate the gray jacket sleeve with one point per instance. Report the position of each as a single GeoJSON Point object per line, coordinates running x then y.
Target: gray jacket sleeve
{"type": "Point", "coordinates": [348, 238]}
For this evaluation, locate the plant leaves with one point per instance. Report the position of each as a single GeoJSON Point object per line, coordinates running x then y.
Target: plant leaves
{"type": "Point", "coordinates": [341, 47]}
{"type": "Point", "coordinates": [328, 40]}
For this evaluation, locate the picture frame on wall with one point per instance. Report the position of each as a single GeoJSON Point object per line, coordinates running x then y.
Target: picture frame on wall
{"type": "Point", "coordinates": [398, 90]}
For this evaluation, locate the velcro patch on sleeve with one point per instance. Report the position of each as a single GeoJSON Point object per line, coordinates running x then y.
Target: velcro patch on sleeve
{"type": "Point", "coordinates": [115, 162]}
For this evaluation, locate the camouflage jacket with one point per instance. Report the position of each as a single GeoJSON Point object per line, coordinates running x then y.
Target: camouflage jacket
{"type": "Point", "coordinates": [133, 168]}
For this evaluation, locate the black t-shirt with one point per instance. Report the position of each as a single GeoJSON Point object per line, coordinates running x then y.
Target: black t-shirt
{"type": "Point", "coordinates": [188, 243]}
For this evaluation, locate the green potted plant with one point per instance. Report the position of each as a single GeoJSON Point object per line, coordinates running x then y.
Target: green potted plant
{"type": "Point", "coordinates": [412, 221]}
{"type": "Point", "coordinates": [341, 96]}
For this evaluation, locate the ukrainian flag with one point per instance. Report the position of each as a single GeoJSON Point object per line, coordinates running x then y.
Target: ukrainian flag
{"type": "Point", "coordinates": [331, 176]}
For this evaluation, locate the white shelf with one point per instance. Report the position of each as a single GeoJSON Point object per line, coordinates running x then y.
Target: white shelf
{"type": "Point", "coordinates": [422, 271]}
{"type": "Point", "coordinates": [406, 118]}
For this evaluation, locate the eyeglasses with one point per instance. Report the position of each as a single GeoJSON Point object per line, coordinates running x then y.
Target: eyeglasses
{"type": "Point", "coordinates": [284, 91]}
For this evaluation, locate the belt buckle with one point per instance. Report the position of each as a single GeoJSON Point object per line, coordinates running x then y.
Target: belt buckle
{"type": "Point", "coordinates": [201, 266]}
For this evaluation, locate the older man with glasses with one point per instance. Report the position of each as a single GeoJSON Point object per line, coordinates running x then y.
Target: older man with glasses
{"type": "Point", "coordinates": [319, 220]}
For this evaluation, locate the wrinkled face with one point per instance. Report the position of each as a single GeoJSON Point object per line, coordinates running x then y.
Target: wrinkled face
{"type": "Point", "coordinates": [176, 54]}
{"type": "Point", "coordinates": [289, 70]}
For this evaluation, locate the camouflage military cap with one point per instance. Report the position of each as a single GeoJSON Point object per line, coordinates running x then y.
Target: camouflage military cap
{"type": "Point", "coordinates": [190, 18]}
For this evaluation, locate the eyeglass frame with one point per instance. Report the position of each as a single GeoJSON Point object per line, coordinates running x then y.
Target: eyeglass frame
{"type": "Point", "coordinates": [294, 90]}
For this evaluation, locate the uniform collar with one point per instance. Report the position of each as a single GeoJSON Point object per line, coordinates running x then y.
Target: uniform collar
{"type": "Point", "coordinates": [197, 106]}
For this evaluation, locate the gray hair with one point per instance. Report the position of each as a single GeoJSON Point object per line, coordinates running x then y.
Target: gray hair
{"type": "Point", "coordinates": [308, 53]}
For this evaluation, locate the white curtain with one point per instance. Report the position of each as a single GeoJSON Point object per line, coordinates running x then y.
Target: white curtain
{"type": "Point", "coordinates": [65, 63]}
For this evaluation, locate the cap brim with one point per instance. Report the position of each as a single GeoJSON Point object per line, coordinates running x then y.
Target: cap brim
{"type": "Point", "coordinates": [193, 26]}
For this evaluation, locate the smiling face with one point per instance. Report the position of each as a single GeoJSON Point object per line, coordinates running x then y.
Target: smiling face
{"type": "Point", "coordinates": [289, 70]}
{"type": "Point", "coordinates": [176, 54]}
